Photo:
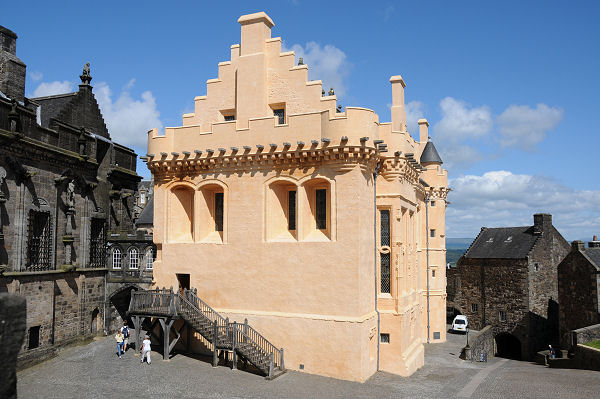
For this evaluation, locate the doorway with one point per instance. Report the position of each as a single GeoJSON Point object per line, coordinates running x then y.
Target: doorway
{"type": "Point", "coordinates": [508, 346]}
{"type": "Point", "coordinates": [184, 282]}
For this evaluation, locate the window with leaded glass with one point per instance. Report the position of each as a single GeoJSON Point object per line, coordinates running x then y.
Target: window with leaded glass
{"type": "Point", "coordinates": [321, 208]}
{"type": "Point", "coordinates": [219, 211]}
{"type": "Point", "coordinates": [384, 221]}
{"type": "Point", "coordinates": [98, 243]}
{"type": "Point", "coordinates": [39, 241]}
{"type": "Point", "coordinates": [149, 258]}
{"type": "Point", "coordinates": [133, 258]}
{"type": "Point", "coordinates": [292, 210]}
{"type": "Point", "coordinates": [116, 258]}
{"type": "Point", "coordinates": [280, 114]}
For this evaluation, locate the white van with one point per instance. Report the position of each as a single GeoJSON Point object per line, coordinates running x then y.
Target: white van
{"type": "Point", "coordinates": [460, 323]}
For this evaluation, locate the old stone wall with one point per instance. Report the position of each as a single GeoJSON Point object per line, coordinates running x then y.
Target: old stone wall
{"type": "Point", "coordinates": [584, 334]}
{"type": "Point", "coordinates": [12, 330]}
{"type": "Point", "coordinates": [587, 358]}
{"type": "Point", "coordinates": [61, 306]}
{"type": "Point", "coordinates": [482, 343]}
{"type": "Point", "coordinates": [578, 295]}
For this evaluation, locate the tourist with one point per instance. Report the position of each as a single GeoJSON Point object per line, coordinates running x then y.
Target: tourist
{"type": "Point", "coordinates": [119, 338]}
{"type": "Point", "coordinates": [552, 352]}
{"type": "Point", "coordinates": [145, 349]}
{"type": "Point", "coordinates": [125, 331]}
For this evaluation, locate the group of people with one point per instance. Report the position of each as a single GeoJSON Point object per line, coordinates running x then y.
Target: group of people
{"type": "Point", "coordinates": [122, 338]}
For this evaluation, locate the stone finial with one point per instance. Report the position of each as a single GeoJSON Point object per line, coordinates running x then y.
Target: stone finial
{"type": "Point", "coordinates": [331, 92]}
{"type": "Point", "coordinates": [300, 61]}
{"type": "Point", "coordinates": [339, 109]}
{"type": "Point", "coordinates": [85, 76]}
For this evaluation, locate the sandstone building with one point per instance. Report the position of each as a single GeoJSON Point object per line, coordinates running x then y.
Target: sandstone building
{"type": "Point", "coordinates": [66, 196]}
{"type": "Point", "coordinates": [508, 279]}
{"type": "Point", "coordinates": [579, 288]}
{"type": "Point", "coordinates": [280, 207]}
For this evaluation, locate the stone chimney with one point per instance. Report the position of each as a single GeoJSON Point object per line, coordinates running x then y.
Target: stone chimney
{"type": "Point", "coordinates": [541, 222]}
{"type": "Point", "coordinates": [398, 108]}
{"type": "Point", "coordinates": [256, 30]}
{"type": "Point", "coordinates": [423, 131]}
{"type": "Point", "coordinates": [12, 69]}
{"type": "Point", "coordinates": [578, 246]}
{"type": "Point", "coordinates": [594, 243]}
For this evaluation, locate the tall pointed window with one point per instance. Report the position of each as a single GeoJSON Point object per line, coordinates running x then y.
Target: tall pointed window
{"type": "Point", "coordinates": [134, 258]}
{"type": "Point", "coordinates": [292, 210]}
{"type": "Point", "coordinates": [321, 208]}
{"type": "Point", "coordinates": [39, 241]}
{"type": "Point", "coordinates": [384, 257]}
{"type": "Point", "coordinates": [116, 258]}
{"type": "Point", "coordinates": [149, 259]}
{"type": "Point", "coordinates": [218, 211]}
{"type": "Point", "coordinates": [98, 243]}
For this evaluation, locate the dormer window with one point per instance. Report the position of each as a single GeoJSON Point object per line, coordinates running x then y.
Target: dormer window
{"type": "Point", "coordinates": [509, 239]}
{"type": "Point", "coordinates": [228, 115]}
{"type": "Point", "coordinates": [491, 239]}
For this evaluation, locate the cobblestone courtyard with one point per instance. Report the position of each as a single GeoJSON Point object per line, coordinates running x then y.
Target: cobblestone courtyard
{"type": "Point", "coordinates": [94, 371]}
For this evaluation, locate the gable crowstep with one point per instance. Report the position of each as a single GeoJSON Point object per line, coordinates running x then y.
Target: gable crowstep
{"type": "Point", "coordinates": [238, 338]}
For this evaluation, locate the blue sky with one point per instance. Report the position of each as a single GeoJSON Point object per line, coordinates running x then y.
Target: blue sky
{"type": "Point", "coordinates": [510, 88]}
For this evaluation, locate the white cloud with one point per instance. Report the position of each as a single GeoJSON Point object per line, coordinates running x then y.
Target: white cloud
{"type": "Point", "coordinates": [457, 156]}
{"type": "Point", "coordinates": [501, 198]}
{"type": "Point", "coordinates": [460, 122]}
{"type": "Point", "coordinates": [327, 63]}
{"type": "Point", "coordinates": [36, 76]}
{"type": "Point", "coordinates": [52, 88]}
{"type": "Point", "coordinates": [128, 119]}
{"type": "Point", "coordinates": [388, 11]}
{"type": "Point", "coordinates": [415, 110]}
{"type": "Point", "coordinates": [523, 127]}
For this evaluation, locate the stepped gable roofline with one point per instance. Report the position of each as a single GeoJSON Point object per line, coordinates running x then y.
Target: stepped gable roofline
{"type": "Point", "coordinates": [502, 243]}
{"type": "Point", "coordinates": [430, 154]}
{"type": "Point", "coordinates": [147, 215]}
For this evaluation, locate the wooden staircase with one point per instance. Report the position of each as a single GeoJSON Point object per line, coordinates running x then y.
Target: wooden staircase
{"type": "Point", "coordinates": [243, 341]}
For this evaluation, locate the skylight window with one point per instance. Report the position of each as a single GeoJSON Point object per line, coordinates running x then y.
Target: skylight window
{"type": "Point", "coordinates": [509, 239]}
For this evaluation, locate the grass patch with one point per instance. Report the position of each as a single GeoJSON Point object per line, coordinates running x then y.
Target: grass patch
{"type": "Point", "coordinates": [593, 344]}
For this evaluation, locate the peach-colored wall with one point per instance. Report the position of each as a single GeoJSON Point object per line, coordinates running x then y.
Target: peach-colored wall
{"type": "Point", "coordinates": [311, 291]}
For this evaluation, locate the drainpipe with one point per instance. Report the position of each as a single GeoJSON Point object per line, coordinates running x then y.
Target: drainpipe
{"type": "Point", "coordinates": [427, 254]}
{"type": "Point", "coordinates": [375, 253]}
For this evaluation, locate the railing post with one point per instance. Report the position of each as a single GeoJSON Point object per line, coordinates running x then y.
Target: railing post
{"type": "Point", "coordinates": [215, 360]}
{"type": "Point", "coordinates": [271, 365]}
{"type": "Point", "coordinates": [233, 346]}
{"type": "Point", "coordinates": [245, 330]}
{"type": "Point", "coordinates": [281, 364]}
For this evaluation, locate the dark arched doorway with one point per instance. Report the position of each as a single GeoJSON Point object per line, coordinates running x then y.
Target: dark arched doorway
{"type": "Point", "coordinates": [508, 346]}
{"type": "Point", "coordinates": [120, 301]}
{"type": "Point", "coordinates": [94, 322]}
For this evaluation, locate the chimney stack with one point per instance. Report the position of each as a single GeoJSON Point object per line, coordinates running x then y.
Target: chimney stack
{"type": "Point", "coordinates": [398, 108]}
{"type": "Point", "coordinates": [541, 222]}
{"type": "Point", "coordinates": [12, 69]}
{"type": "Point", "coordinates": [594, 243]}
{"type": "Point", "coordinates": [423, 131]}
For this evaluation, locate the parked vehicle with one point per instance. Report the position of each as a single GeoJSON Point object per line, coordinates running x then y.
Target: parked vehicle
{"type": "Point", "coordinates": [460, 323]}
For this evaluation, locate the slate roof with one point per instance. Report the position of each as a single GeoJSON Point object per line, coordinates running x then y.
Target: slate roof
{"type": "Point", "coordinates": [50, 106]}
{"type": "Point", "coordinates": [430, 154]}
{"type": "Point", "coordinates": [594, 255]}
{"type": "Point", "coordinates": [147, 215]}
{"type": "Point", "coordinates": [502, 243]}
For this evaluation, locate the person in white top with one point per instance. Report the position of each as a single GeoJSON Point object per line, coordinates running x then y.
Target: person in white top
{"type": "Point", "coordinates": [145, 349]}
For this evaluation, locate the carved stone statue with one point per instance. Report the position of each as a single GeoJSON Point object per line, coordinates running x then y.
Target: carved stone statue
{"type": "Point", "coordinates": [85, 76]}
{"type": "Point", "coordinates": [13, 116]}
{"type": "Point", "coordinates": [331, 92]}
{"type": "Point", "coordinates": [70, 194]}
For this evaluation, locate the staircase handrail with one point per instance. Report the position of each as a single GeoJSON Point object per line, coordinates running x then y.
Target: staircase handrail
{"type": "Point", "coordinates": [191, 299]}
{"type": "Point", "coordinates": [248, 334]}
{"type": "Point", "coordinates": [157, 301]}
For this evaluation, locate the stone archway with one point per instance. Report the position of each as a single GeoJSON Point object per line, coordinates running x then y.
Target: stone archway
{"type": "Point", "coordinates": [508, 346]}
{"type": "Point", "coordinates": [120, 299]}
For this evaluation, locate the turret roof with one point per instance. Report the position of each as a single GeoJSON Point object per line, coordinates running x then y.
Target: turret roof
{"type": "Point", "coordinates": [430, 154]}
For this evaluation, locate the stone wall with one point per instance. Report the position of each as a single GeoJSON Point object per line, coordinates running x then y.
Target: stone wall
{"type": "Point", "coordinates": [482, 343]}
{"type": "Point", "coordinates": [587, 358]}
{"type": "Point", "coordinates": [578, 294]}
{"type": "Point", "coordinates": [585, 334]}
{"type": "Point", "coordinates": [12, 330]}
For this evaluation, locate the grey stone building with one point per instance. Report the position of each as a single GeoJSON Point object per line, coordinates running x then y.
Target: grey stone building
{"type": "Point", "coordinates": [508, 279]}
{"type": "Point", "coordinates": [579, 288]}
{"type": "Point", "coordinates": [68, 241]}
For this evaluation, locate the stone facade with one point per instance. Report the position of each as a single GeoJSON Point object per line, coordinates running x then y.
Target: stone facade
{"type": "Point", "coordinates": [324, 227]}
{"type": "Point", "coordinates": [66, 197]}
{"type": "Point", "coordinates": [579, 289]}
{"type": "Point", "coordinates": [508, 279]}
{"type": "Point", "coordinates": [13, 312]}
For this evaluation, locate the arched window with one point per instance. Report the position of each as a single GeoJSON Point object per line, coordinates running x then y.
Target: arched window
{"type": "Point", "coordinates": [133, 258]}
{"type": "Point", "coordinates": [116, 258]}
{"type": "Point", "coordinates": [149, 258]}
{"type": "Point", "coordinates": [281, 211]}
{"type": "Point", "coordinates": [181, 214]}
